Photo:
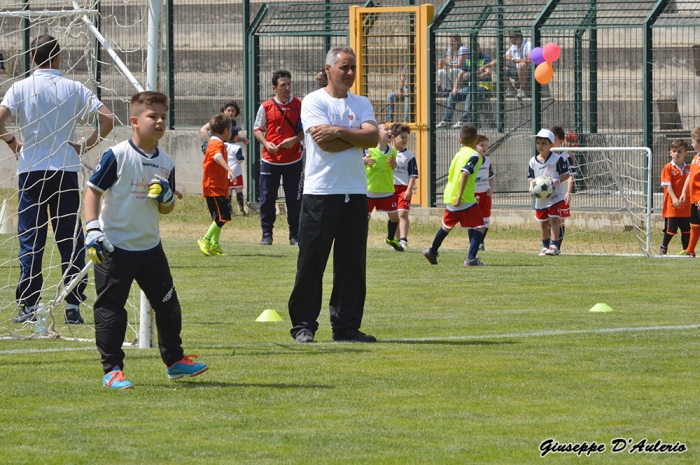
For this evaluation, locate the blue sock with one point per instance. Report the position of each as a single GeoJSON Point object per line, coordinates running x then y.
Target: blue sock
{"type": "Point", "coordinates": [437, 242]}
{"type": "Point", "coordinates": [477, 237]}
{"type": "Point", "coordinates": [545, 243]}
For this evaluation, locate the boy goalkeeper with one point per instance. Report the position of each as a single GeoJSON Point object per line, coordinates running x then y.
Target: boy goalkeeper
{"type": "Point", "coordinates": [134, 181]}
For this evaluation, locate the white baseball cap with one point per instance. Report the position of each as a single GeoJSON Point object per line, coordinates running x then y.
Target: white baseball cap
{"type": "Point", "coordinates": [546, 134]}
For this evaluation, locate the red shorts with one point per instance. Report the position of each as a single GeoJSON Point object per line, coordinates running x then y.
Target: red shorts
{"type": "Point", "coordinates": [398, 193]}
{"type": "Point", "coordinates": [469, 219]}
{"type": "Point", "coordinates": [385, 204]}
{"type": "Point", "coordinates": [558, 210]}
{"type": "Point", "coordinates": [484, 204]}
{"type": "Point", "coordinates": [237, 182]}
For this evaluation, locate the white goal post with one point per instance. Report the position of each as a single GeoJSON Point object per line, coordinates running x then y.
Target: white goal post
{"type": "Point", "coordinates": [616, 181]}
{"type": "Point", "coordinates": [62, 18]}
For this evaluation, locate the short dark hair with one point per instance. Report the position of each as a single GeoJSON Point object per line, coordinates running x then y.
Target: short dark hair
{"type": "Point", "coordinates": [480, 138]}
{"type": "Point", "coordinates": [515, 33]}
{"type": "Point", "coordinates": [680, 144]}
{"type": "Point", "coordinates": [280, 73]}
{"type": "Point", "coordinates": [398, 128]}
{"type": "Point", "coordinates": [467, 133]}
{"type": "Point", "coordinates": [146, 99]}
{"type": "Point", "coordinates": [44, 49]}
{"type": "Point", "coordinates": [231, 103]}
{"type": "Point", "coordinates": [558, 132]}
{"type": "Point", "coordinates": [219, 123]}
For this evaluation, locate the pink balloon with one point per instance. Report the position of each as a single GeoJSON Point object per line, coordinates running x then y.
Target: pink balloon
{"type": "Point", "coordinates": [551, 52]}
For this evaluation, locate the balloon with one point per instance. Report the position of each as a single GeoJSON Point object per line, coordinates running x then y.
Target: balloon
{"type": "Point", "coordinates": [536, 56]}
{"type": "Point", "coordinates": [544, 73]}
{"type": "Point", "coordinates": [551, 52]}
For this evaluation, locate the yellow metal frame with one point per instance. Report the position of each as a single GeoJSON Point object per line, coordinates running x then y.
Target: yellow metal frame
{"type": "Point", "coordinates": [423, 16]}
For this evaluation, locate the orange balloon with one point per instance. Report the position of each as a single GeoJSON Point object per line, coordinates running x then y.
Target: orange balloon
{"type": "Point", "coordinates": [544, 73]}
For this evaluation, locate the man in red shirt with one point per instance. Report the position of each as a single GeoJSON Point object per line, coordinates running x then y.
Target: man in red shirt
{"type": "Point", "coordinates": [278, 128]}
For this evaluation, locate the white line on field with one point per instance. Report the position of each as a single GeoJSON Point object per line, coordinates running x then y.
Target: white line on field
{"type": "Point", "coordinates": [562, 332]}
{"type": "Point", "coordinates": [420, 339]}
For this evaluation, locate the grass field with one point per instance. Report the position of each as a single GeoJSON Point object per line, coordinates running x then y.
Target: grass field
{"type": "Point", "coordinates": [473, 365]}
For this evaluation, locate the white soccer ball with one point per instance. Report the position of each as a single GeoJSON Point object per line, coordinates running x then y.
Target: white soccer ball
{"type": "Point", "coordinates": [541, 187]}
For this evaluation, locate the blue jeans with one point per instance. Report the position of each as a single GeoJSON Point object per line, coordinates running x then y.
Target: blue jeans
{"type": "Point", "coordinates": [390, 99]}
{"type": "Point", "coordinates": [41, 192]}
{"type": "Point", "coordinates": [464, 94]}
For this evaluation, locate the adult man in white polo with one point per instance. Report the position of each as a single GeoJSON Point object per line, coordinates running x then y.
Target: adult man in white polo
{"type": "Point", "coordinates": [48, 107]}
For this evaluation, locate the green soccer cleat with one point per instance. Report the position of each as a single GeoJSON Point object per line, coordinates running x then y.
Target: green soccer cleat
{"type": "Point", "coordinates": [204, 246]}
{"type": "Point", "coordinates": [394, 243]}
{"type": "Point", "coordinates": [215, 249]}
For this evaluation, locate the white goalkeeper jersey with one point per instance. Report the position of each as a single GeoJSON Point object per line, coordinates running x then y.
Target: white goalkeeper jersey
{"type": "Point", "coordinates": [555, 166]}
{"type": "Point", "coordinates": [129, 218]}
{"type": "Point", "coordinates": [49, 107]}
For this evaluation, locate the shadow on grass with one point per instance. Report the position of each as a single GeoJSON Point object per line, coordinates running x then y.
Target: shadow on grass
{"type": "Point", "coordinates": [293, 348]}
{"type": "Point", "coordinates": [450, 343]}
{"type": "Point", "coordinates": [220, 384]}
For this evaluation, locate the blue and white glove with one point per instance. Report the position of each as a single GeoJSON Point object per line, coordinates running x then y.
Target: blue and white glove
{"type": "Point", "coordinates": [555, 183]}
{"type": "Point", "coordinates": [160, 191]}
{"type": "Point", "coordinates": [97, 246]}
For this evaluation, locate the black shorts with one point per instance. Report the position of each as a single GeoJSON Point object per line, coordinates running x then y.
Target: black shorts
{"type": "Point", "coordinates": [671, 225]}
{"type": "Point", "coordinates": [219, 208]}
{"type": "Point", "coordinates": [694, 215]}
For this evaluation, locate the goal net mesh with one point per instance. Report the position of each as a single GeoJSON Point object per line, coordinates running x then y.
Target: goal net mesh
{"type": "Point", "coordinates": [610, 210]}
{"type": "Point", "coordinates": [124, 25]}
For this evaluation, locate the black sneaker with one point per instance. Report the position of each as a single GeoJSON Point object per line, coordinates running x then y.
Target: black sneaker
{"type": "Point", "coordinates": [293, 241]}
{"type": "Point", "coordinates": [73, 316]}
{"type": "Point", "coordinates": [266, 239]}
{"type": "Point", "coordinates": [432, 257]}
{"type": "Point", "coordinates": [25, 315]}
{"type": "Point", "coordinates": [304, 336]}
{"type": "Point", "coordinates": [353, 335]}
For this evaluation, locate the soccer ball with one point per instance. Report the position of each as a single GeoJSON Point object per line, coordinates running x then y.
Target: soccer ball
{"type": "Point", "coordinates": [541, 187]}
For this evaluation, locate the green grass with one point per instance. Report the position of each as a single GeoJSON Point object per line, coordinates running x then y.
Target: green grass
{"type": "Point", "coordinates": [473, 366]}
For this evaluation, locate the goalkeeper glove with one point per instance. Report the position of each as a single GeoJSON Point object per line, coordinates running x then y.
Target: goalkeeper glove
{"type": "Point", "coordinates": [96, 243]}
{"type": "Point", "coordinates": [555, 183]}
{"type": "Point", "coordinates": [160, 191]}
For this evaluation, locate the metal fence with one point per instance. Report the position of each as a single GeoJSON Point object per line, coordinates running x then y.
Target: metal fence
{"type": "Point", "coordinates": [627, 75]}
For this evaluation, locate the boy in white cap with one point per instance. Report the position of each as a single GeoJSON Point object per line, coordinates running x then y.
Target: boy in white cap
{"type": "Point", "coordinates": [548, 211]}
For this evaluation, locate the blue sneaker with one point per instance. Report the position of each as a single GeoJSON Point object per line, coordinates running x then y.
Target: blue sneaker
{"type": "Point", "coordinates": [115, 380]}
{"type": "Point", "coordinates": [186, 367]}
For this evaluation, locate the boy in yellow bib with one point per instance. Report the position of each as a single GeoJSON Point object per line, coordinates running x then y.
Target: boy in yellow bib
{"type": "Point", "coordinates": [460, 202]}
{"type": "Point", "coordinates": [380, 163]}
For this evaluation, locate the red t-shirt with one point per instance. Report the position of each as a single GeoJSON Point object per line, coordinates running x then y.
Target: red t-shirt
{"type": "Point", "coordinates": [215, 180]}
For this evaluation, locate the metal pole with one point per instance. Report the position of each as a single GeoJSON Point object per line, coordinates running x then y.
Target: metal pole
{"type": "Point", "coordinates": [153, 52]}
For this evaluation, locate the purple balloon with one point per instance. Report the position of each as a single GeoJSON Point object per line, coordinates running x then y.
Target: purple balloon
{"type": "Point", "coordinates": [536, 56]}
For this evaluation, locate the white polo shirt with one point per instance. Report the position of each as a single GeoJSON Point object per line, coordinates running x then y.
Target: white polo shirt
{"type": "Point", "coordinates": [49, 106]}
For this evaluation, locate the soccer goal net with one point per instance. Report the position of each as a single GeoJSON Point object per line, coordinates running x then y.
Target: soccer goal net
{"type": "Point", "coordinates": [611, 203]}
{"type": "Point", "coordinates": [103, 46]}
